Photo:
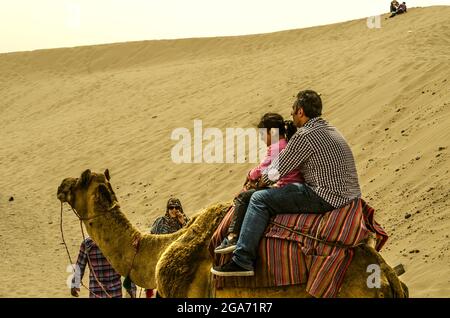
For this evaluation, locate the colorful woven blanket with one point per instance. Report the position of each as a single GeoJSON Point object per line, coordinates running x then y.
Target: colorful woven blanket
{"type": "Point", "coordinates": [311, 249]}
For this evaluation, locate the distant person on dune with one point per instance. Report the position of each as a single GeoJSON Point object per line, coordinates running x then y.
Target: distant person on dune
{"type": "Point", "coordinates": [278, 133]}
{"type": "Point", "coordinates": [400, 9]}
{"type": "Point", "coordinates": [394, 6]}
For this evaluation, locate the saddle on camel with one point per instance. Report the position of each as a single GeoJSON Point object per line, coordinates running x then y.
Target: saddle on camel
{"type": "Point", "coordinates": [311, 249]}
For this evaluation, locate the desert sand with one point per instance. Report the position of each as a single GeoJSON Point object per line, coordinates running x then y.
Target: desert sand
{"type": "Point", "coordinates": [115, 106]}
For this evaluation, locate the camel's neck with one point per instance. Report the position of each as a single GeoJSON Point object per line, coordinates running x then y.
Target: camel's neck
{"type": "Point", "coordinates": [114, 235]}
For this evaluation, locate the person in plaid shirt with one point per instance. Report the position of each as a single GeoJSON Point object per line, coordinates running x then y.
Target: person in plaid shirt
{"type": "Point", "coordinates": [105, 273]}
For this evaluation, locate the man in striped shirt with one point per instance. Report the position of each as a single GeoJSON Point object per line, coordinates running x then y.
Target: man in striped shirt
{"type": "Point", "coordinates": [327, 165]}
{"type": "Point", "coordinates": [106, 275]}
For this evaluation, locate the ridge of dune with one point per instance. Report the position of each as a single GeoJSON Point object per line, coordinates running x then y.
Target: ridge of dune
{"type": "Point", "coordinates": [114, 106]}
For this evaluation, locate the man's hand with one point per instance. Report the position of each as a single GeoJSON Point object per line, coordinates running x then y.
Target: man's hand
{"type": "Point", "coordinates": [261, 183]}
{"type": "Point", "coordinates": [74, 291]}
{"type": "Point", "coordinates": [180, 217]}
{"type": "Point", "coordinates": [252, 184]}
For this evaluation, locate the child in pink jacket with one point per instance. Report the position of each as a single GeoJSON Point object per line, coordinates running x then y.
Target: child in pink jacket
{"type": "Point", "coordinates": [271, 122]}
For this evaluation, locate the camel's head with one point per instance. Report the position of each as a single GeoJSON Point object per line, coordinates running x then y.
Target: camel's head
{"type": "Point", "coordinates": [90, 188]}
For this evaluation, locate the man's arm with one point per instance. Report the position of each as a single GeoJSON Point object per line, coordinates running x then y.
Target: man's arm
{"type": "Point", "coordinates": [79, 270]}
{"type": "Point", "coordinates": [297, 151]}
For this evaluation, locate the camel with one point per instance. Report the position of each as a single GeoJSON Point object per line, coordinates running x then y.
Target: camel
{"type": "Point", "coordinates": [179, 264]}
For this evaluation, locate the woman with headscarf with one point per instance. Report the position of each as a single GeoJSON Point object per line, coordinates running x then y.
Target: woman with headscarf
{"type": "Point", "coordinates": [172, 221]}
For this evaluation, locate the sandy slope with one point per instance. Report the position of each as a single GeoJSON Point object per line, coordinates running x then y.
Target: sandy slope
{"type": "Point", "coordinates": [115, 106]}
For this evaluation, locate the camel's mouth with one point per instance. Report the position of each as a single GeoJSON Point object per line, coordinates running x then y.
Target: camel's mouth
{"type": "Point", "coordinates": [63, 197]}
{"type": "Point", "coordinates": [64, 192]}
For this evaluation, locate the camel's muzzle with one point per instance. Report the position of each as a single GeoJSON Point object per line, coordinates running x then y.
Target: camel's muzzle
{"type": "Point", "coordinates": [61, 197]}
{"type": "Point", "coordinates": [65, 189]}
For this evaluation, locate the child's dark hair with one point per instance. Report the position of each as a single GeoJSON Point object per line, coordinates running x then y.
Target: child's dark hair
{"type": "Point", "coordinates": [286, 128]}
{"type": "Point", "coordinates": [291, 129]}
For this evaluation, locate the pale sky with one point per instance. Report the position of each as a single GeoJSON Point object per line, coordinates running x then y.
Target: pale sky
{"type": "Point", "coordinates": [36, 24]}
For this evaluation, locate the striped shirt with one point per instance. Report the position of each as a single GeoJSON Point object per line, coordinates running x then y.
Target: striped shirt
{"type": "Point", "coordinates": [106, 275]}
{"type": "Point", "coordinates": [324, 159]}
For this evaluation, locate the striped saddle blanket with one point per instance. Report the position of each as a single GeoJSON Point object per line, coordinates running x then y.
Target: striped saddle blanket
{"type": "Point", "coordinates": [292, 250]}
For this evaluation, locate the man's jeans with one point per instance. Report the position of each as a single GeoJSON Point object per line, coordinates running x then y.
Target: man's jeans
{"type": "Point", "coordinates": [290, 199]}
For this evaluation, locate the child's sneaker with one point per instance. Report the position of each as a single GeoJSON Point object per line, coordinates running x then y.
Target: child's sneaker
{"type": "Point", "coordinates": [227, 246]}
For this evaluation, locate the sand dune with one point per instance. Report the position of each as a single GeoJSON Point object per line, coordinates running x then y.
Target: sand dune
{"type": "Point", "coordinates": [115, 106]}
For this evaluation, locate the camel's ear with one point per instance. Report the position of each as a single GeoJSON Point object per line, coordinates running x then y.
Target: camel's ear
{"type": "Point", "coordinates": [104, 194]}
{"type": "Point", "coordinates": [85, 178]}
{"type": "Point", "coordinates": [108, 177]}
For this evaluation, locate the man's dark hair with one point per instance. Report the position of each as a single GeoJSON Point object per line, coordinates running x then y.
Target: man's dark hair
{"type": "Point", "coordinates": [311, 103]}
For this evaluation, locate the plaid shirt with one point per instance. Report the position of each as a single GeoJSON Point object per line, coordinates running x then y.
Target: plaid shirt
{"type": "Point", "coordinates": [324, 159]}
{"type": "Point", "coordinates": [106, 275]}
